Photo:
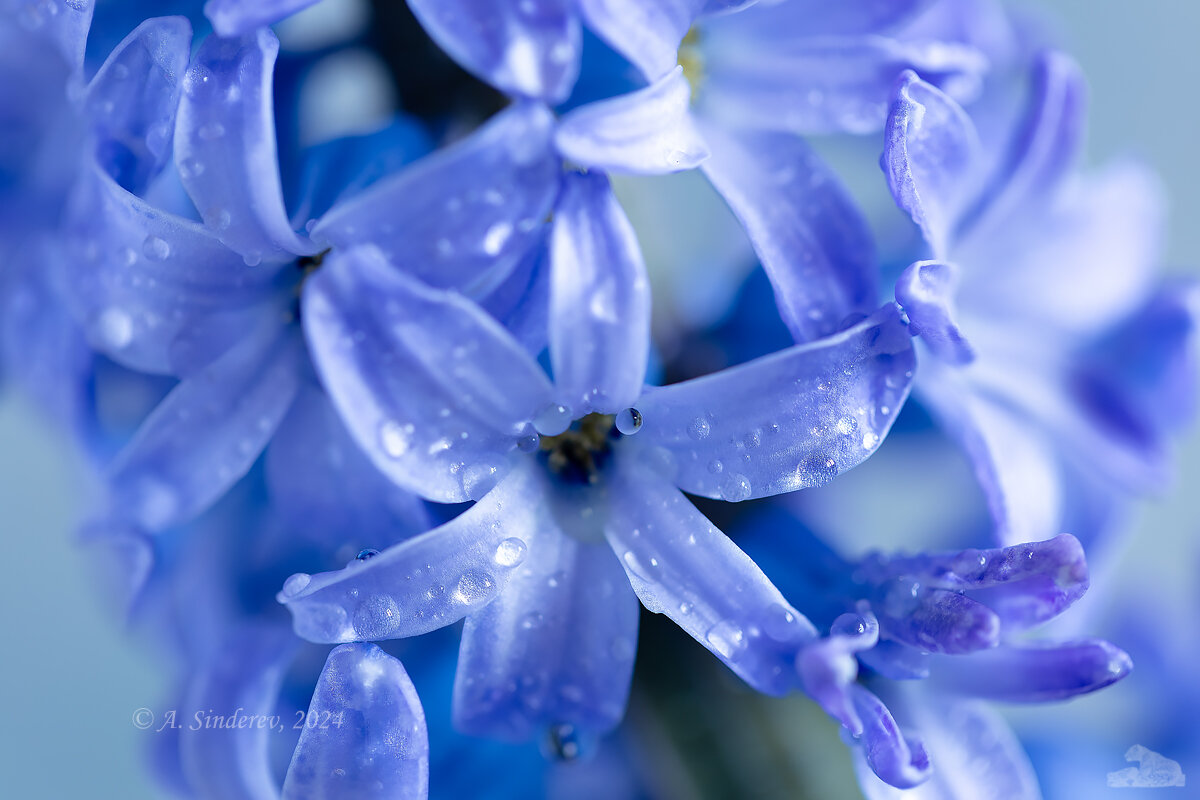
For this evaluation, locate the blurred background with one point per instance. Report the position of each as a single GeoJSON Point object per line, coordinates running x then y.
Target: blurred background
{"type": "Point", "coordinates": [70, 682]}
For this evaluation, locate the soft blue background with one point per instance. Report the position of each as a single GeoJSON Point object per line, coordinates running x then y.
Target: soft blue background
{"type": "Point", "coordinates": [69, 682]}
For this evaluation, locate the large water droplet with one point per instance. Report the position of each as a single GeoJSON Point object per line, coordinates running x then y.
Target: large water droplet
{"type": "Point", "coordinates": [474, 587]}
{"type": "Point", "coordinates": [376, 617]}
{"type": "Point", "coordinates": [629, 421]}
{"type": "Point", "coordinates": [510, 552]}
{"type": "Point", "coordinates": [735, 488]}
{"type": "Point", "coordinates": [648, 569]}
{"type": "Point", "coordinates": [727, 640]}
{"type": "Point", "coordinates": [156, 249]}
{"type": "Point", "coordinates": [295, 585]}
{"type": "Point", "coordinates": [699, 428]}
{"type": "Point", "coordinates": [529, 443]}
{"type": "Point", "coordinates": [780, 623]}
{"type": "Point", "coordinates": [552, 420]}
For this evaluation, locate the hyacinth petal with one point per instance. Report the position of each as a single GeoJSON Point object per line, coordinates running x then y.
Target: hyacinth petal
{"type": "Point", "coordinates": [926, 293]}
{"type": "Point", "coordinates": [66, 24]}
{"type": "Point", "coordinates": [242, 678]}
{"type": "Point", "coordinates": [898, 760]}
{"type": "Point", "coordinates": [820, 84]}
{"type": "Point", "coordinates": [646, 32]}
{"type": "Point", "coordinates": [324, 485]}
{"type": "Point", "coordinates": [683, 567]}
{"type": "Point", "coordinates": [787, 421]}
{"type": "Point", "coordinates": [208, 432]}
{"type": "Point", "coordinates": [133, 98]}
{"type": "Point", "coordinates": [521, 303]}
{"type": "Point", "coordinates": [828, 668]}
{"type": "Point", "coordinates": [433, 389]}
{"type": "Point", "coordinates": [1033, 674]}
{"type": "Point", "coordinates": [529, 48]}
{"type": "Point", "coordinates": [977, 756]}
{"type": "Point", "coordinates": [140, 282]}
{"type": "Point", "coordinates": [375, 745]}
{"type": "Point", "coordinates": [805, 18]}
{"type": "Point", "coordinates": [555, 648]}
{"type": "Point", "coordinates": [599, 300]}
{"type": "Point", "coordinates": [931, 156]}
{"type": "Point", "coordinates": [808, 233]}
{"type": "Point", "coordinates": [466, 215]}
{"type": "Point", "coordinates": [1049, 141]}
{"type": "Point", "coordinates": [1014, 465]}
{"type": "Point", "coordinates": [726, 6]}
{"type": "Point", "coordinates": [935, 620]}
{"type": "Point", "coordinates": [231, 18]}
{"type": "Point", "coordinates": [225, 147]}
{"type": "Point", "coordinates": [427, 582]}
{"type": "Point", "coordinates": [647, 132]}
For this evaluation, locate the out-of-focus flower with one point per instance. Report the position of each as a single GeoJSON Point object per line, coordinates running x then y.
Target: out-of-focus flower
{"type": "Point", "coordinates": [1041, 286]}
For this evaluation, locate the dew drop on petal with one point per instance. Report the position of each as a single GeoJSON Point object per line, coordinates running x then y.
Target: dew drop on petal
{"type": "Point", "coordinates": [474, 587]}
{"type": "Point", "coordinates": [552, 420]}
{"type": "Point", "coordinates": [648, 569]}
{"type": "Point", "coordinates": [479, 479]}
{"type": "Point", "coordinates": [531, 620]}
{"type": "Point", "coordinates": [565, 742]}
{"type": "Point", "coordinates": [366, 553]}
{"type": "Point", "coordinates": [156, 249]}
{"type": "Point", "coordinates": [395, 438]}
{"type": "Point", "coordinates": [510, 552]}
{"type": "Point", "coordinates": [295, 585]}
{"type": "Point", "coordinates": [629, 421]}
{"type": "Point", "coordinates": [847, 425]}
{"type": "Point", "coordinates": [699, 428]}
{"type": "Point", "coordinates": [529, 443]}
{"type": "Point", "coordinates": [735, 488]}
{"type": "Point", "coordinates": [496, 237]}
{"type": "Point", "coordinates": [780, 623]}
{"type": "Point", "coordinates": [727, 640]}
{"type": "Point", "coordinates": [376, 617]}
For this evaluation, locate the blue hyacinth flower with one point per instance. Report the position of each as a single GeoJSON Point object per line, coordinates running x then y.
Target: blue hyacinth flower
{"type": "Point", "coordinates": [1033, 273]}
{"type": "Point", "coordinates": [578, 480]}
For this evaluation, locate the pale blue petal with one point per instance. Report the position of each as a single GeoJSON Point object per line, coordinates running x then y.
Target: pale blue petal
{"type": "Point", "coordinates": [648, 132]}
{"type": "Point", "coordinates": [133, 98]}
{"type": "Point", "coordinates": [232, 18]}
{"type": "Point", "coordinates": [243, 677]}
{"type": "Point", "coordinates": [646, 32]}
{"type": "Point", "coordinates": [364, 736]}
{"type": "Point", "coordinates": [528, 48]}
{"type": "Point", "coordinates": [428, 582]}
{"type": "Point", "coordinates": [828, 667]}
{"type": "Point", "coordinates": [931, 157]}
{"type": "Point", "coordinates": [826, 84]}
{"type": "Point", "coordinates": [67, 24]}
{"type": "Point", "coordinates": [599, 300]}
{"type": "Point", "coordinates": [808, 233]}
{"type": "Point", "coordinates": [324, 485]}
{"type": "Point", "coordinates": [805, 18]}
{"type": "Point", "coordinates": [787, 421]}
{"type": "Point", "coordinates": [926, 293]}
{"type": "Point", "coordinates": [433, 389]}
{"type": "Point", "coordinates": [148, 287]}
{"type": "Point", "coordinates": [1036, 673]}
{"type": "Point", "coordinates": [465, 216]}
{"type": "Point", "coordinates": [556, 647]}
{"type": "Point", "coordinates": [522, 302]}
{"type": "Point", "coordinates": [207, 433]}
{"type": "Point", "coordinates": [683, 567]}
{"type": "Point", "coordinates": [225, 147]}
{"type": "Point", "coordinates": [898, 760]}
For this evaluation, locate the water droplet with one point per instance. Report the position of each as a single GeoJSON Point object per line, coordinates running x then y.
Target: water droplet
{"type": "Point", "coordinates": [629, 421]}
{"type": "Point", "coordinates": [870, 440]}
{"type": "Point", "coordinates": [565, 742]}
{"type": "Point", "coordinates": [510, 552]}
{"type": "Point", "coordinates": [847, 425]}
{"type": "Point", "coordinates": [366, 553]}
{"type": "Point", "coordinates": [115, 327]}
{"type": "Point", "coordinates": [727, 640]}
{"type": "Point", "coordinates": [376, 617]}
{"type": "Point", "coordinates": [156, 249]}
{"type": "Point", "coordinates": [648, 569]}
{"type": "Point", "coordinates": [529, 443]}
{"type": "Point", "coordinates": [496, 237]}
{"type": "Point", "coordinates": [295, 585]}
{"type": "Point", "coordinates": [735, 488]}
{"type": "Point", "coordinates": [531, 620]}
{"type": "Point", "coordinates": [699, 428]}
{"type": "Point", "coordinates": [553, 420]}
{"type": "Point", "coordinates": [395, 438]}
{"type": "Point", "coordinates": [780, 623]}
{"type": "Point", "coordinates": [716, 467]}
{"type": "Point", "coordinates": [751, 440]}
{"type": "Point", "coordinates": [479, 479]}
{"type": "Point", "coordinates": [211, 130]}
{"type": "Point", "coordinates": [474, 587]}
{"type": "Point", "coordinates": [685, 608]}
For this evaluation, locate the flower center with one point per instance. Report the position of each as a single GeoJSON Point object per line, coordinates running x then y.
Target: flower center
{"type": "Point", "coordinates": [578, 454]}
